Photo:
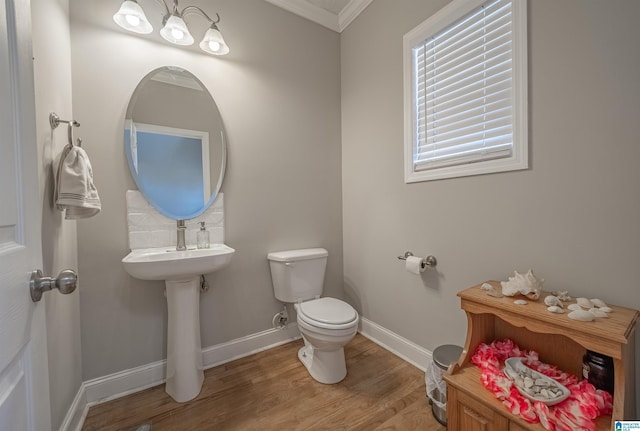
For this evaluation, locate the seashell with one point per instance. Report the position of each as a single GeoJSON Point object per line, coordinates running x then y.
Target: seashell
{"type": "Point", "coordinates": [528, 382]}
{"type": "Point", "coordinates": [520, 284]}
{"type": "Point", "coordinates": [491, 291]}
{"type": "Point", "coordinates": [598, 302]}
{"type": "Point", "coordinates": [520, 302]}
{"type": "Point", "coordinates": [606, 309]}
{"type": "Point", "coordinates": [555, 309]}
{"type": "Point", "coordinates": [553, 300]}
{"type": "Point", "coordinates": [541, 383]}
{"type": "Point", "coordinates": [533, 295]}
{"type": "Point", "coordinates": [597, 312]}
{"type": "Point", "coordinates": [563, 295]}
{"type": "Point", "coordinates": [584, 303]}
{"type": "Point", "coordinates": [582, 315]}
{"type": "Point", "coordinates": [574, 307]}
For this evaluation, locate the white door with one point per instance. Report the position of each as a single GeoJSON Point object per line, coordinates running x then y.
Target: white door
{"type": "Point", "coordinates": [24, 380]}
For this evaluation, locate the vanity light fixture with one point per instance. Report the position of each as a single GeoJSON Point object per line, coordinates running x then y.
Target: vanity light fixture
{"type": "Point", "coordinates": [213, 43]}
{"type": "Point", "coordinates": [131, 17]}
{"type": "Point", "coordinates": [175, 31]}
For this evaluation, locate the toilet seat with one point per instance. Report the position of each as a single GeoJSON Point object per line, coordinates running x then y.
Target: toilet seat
{"type": "Point", "coordinates": [327, 313]}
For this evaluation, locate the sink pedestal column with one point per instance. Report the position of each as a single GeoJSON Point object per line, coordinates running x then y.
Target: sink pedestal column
{"type": "Point", "coordinates": [184, 351]}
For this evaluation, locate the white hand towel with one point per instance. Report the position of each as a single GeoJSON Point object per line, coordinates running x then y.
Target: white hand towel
{"type": "Point", "coordinates": [75, 191]}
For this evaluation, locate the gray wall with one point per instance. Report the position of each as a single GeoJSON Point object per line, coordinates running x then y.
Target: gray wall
{"type": "Point", "coordinates": [52, 73]}
{"type": "Point", "coordinates": [574, 216]}
{"type": "Point", "coordinates": [278, 92]}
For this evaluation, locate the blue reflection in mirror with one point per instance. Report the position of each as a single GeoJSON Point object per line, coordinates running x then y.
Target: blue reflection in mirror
{"type": "Point", "coordinates": [170, 167]}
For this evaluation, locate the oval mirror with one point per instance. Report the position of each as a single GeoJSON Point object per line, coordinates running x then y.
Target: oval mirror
{"type": "Point", "coordinates": [175, 143]}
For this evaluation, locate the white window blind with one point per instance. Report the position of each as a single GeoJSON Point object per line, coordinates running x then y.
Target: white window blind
{"type": "Point", "coordinates": [463, 92]}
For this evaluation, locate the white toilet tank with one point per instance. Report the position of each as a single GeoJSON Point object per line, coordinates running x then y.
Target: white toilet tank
{"type": "Point", "coordinates": [298, 275]}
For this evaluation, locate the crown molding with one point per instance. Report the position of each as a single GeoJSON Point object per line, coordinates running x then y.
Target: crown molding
{"type": "Point", "coordinates": [310, 12]}
{"type": "Point", "coordinates": [321, 16]}
{"type": "Point", "coordinates": [351, 12]}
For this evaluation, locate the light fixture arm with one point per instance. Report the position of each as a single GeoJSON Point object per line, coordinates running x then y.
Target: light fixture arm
{"type": "Point", "coordinates": [195, 9]}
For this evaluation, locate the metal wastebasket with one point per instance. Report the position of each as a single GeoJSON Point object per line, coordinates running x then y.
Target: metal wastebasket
{"type": "Point", "coordinates": [443, 356]}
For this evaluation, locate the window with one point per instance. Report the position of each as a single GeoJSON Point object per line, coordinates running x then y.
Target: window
{"type": "Point", "coordinates": [465, 79]}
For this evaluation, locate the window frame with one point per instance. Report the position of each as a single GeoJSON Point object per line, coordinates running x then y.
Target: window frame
{"type": "Point", "coordinates": [448, 15]}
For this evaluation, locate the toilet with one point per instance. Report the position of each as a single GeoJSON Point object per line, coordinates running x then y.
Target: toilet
{"type": "Point", "coordinates": [326, 324]}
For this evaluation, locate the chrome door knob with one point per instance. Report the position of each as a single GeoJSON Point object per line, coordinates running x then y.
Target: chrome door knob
{"type": "Point", "coordinates": [66, 283]}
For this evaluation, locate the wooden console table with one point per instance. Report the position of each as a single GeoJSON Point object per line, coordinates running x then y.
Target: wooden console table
{"type": "Point", "coordinates": [559, 340]}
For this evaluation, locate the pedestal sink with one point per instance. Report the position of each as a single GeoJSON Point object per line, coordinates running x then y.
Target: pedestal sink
{"type": "Point", "coordinates": [181, 271]}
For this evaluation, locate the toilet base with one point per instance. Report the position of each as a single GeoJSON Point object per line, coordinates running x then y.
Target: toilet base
{"type": "Point", "coordinates": [326, 367]}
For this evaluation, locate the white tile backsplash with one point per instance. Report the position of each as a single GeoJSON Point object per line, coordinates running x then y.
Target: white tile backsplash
{"type": "Point", "coordinates": [148, 228]}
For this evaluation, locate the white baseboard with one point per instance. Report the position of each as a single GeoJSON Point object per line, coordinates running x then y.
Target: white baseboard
{"type": "Point", "coordinates": [416, 355]}
{"type": "Point", "coordinates": [246, 346]}
{"type": "Point", "coordinates": [77, 412]}
{"type": "Point", "coordinates": [126, 382]}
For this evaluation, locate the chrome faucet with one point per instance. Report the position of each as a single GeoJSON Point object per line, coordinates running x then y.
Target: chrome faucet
{"type": "Point", "coordinates": [180, 243]}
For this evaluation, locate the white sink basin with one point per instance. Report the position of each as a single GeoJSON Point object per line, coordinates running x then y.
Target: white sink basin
{"type": "Point", "coordinates": [165, 263]}
{"type": "Point", "coordinates": [181, 272]}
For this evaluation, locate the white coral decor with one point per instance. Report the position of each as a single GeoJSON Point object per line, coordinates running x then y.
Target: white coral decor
{"type": "Point", "coordinates": [527, 285]}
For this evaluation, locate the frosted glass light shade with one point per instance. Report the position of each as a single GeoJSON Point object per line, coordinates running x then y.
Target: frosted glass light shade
{"type": "Point", "coordinates": [213, 42]}
{"type": "Point", "coordinates": [131, 17]}
{"type": "Point", "coordinates": [175, 31]}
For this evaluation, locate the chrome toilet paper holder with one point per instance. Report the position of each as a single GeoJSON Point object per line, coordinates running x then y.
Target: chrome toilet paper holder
{"type": "Point", "coordinates": [429, 261]}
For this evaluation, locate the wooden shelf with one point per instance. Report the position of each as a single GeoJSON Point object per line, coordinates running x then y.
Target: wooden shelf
{"type": "Point", "coordinates": [467, 379]}
{"type": "Point", "coordinates": [559, 341]}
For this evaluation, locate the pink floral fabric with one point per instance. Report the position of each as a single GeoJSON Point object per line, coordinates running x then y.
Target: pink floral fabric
{"type": "Point", "coordinates": [577, 412]}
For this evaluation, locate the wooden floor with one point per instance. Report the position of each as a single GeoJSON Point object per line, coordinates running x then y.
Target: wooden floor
{"type": "Point", "coordinates": [272, 390]}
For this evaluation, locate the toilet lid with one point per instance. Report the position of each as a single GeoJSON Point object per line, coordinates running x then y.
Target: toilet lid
{"type": "Point", "coordinates": [328, 310]}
